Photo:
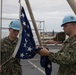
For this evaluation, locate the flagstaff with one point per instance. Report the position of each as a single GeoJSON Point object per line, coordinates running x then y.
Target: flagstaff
{"type": "Point", "coordinates": [0, 28]}
{"type": "Point", "coordinates": [33, 20]}
{"type": "Point", "coordinates": [72, 4]}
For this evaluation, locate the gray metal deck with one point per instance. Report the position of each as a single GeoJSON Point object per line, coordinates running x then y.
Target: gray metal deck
{"type": "Point", "coordinates": [32, 66]}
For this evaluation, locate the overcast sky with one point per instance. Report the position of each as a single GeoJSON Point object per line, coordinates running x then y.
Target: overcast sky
{"type": "Point", "coordinates": [49, 11]}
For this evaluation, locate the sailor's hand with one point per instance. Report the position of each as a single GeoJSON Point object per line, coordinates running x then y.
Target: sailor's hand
{"type": "Point", "coordinates": [43, 52]}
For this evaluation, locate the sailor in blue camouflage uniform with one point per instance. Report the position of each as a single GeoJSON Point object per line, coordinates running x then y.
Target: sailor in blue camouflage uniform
{"type": "Point", "coordinates": [66, 57]}
{"type": "Point", "coordinates": [8, 45]}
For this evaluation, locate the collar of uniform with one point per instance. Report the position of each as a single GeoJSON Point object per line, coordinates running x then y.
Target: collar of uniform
{"type": "Point", "coordinates": [9, 41]}
{"type": "Point", "coordinates": [72, 39]}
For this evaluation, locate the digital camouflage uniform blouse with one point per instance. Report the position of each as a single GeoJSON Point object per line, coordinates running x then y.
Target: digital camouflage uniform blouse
{"type": "Point", "coordinates": [66, 57]}
{"type": "Point", "coordinates": [13, 67]}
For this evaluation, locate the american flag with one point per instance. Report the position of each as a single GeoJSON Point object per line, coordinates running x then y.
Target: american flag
{"type": "Point", "coordinates": [25, 48]}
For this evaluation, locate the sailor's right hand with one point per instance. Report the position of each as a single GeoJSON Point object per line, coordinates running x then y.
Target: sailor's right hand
{"type": "Point", "coordinates": [43, 52]}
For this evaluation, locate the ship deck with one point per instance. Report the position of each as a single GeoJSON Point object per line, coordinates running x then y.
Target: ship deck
{"type": "Point", "coordinates": [32, 66]}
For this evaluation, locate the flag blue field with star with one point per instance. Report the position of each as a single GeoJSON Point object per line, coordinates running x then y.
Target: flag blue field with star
{"type": "Point", "coordinates": [27, 45]}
